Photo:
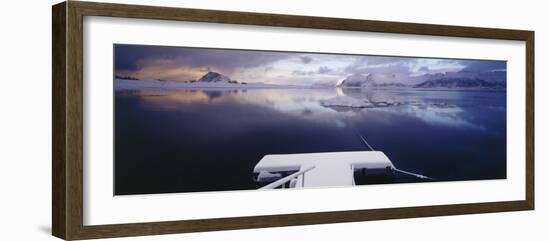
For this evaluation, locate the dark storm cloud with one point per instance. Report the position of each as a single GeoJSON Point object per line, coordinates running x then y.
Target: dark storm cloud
{"type": "Point", "coordinates": [127, 56]}
{"type": "Point", "coordinates": [480, 66]}
{"type": "Point", "coordinates": [306, 59]}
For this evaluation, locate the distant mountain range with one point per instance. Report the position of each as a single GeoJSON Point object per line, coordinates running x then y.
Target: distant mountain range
{"type": "Point", "coordinates": [491, 79]}
{"type": "Point", "coordinates": [210, 77]}
{"type": "Point", "coordinates": [209, 80]}
{"type": "Point", "coordinates": [460, 83]}
{"type": "Point", "coordinates": [485, 80]}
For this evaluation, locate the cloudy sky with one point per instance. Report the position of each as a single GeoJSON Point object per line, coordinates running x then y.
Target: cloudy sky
{"type": "Point", "coordinates": [181, 64]}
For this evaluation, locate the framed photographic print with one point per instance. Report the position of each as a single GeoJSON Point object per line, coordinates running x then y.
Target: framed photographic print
{"type": "Point", "coordinates": [171, 120]}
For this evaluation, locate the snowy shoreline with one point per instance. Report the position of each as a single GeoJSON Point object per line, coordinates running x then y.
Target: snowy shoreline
{"type": "Point", "coordinates": [125, 84]}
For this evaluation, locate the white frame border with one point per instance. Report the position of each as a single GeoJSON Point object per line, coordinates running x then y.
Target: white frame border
{"type": "Point", "coordinates": [101, 207]}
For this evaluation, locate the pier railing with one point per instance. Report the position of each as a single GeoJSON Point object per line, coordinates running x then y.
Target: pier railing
{"type": "Point", "coordinates": [288, 178]}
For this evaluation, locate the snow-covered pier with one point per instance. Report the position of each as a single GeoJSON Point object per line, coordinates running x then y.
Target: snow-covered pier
{"type": "Point", "coordinates": [320, 169]}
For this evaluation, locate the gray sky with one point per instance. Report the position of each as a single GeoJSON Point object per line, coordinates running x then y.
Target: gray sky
{"type": "Point", "coordinates": [182, 63]}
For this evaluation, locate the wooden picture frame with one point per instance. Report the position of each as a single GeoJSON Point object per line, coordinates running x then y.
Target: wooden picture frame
{"type": "Point", "coordinates": [67, 150]}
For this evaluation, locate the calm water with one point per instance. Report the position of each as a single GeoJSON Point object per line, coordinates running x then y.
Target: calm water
{"type": "Point", "coordinates": [210, 140]}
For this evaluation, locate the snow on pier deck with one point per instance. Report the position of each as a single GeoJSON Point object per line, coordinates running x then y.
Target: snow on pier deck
{"type": "Point", "coordinates": [330, 168]}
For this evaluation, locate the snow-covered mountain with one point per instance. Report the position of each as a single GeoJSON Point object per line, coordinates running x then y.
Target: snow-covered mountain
{"type": "Point", "coordinates": [211, 77]}
{"type": "Point", "coordinates": [489, 76]}
{"type": "Point", "coordinates": [209, 80]}
{"type": "Point", "coordinates": [356, 80]}
{"type": "Point", "coordinates": [490, 79]}
{"type": "Point", "coordinates": [457, 82]}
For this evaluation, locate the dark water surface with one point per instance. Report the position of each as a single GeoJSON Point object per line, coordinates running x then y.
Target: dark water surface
{"type": "Point", "coordinates": [210, 140]}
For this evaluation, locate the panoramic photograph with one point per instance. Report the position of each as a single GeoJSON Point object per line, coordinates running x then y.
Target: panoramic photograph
{"type": "Point", "coordinates": [189, 119]}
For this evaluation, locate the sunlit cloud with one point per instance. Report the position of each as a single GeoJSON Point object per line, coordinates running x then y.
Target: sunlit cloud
{"type": "Point", "coordinates": [163, 69]}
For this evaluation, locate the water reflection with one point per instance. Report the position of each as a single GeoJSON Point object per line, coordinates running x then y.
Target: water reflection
{"type": "Point", "coordinates": [210, 139]}
{"type": "Point", "coordinates": [433, 107]}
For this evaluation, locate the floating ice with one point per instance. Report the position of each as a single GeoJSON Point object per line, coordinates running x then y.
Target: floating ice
{"type": "Point", "coordinates": [346, 101]}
